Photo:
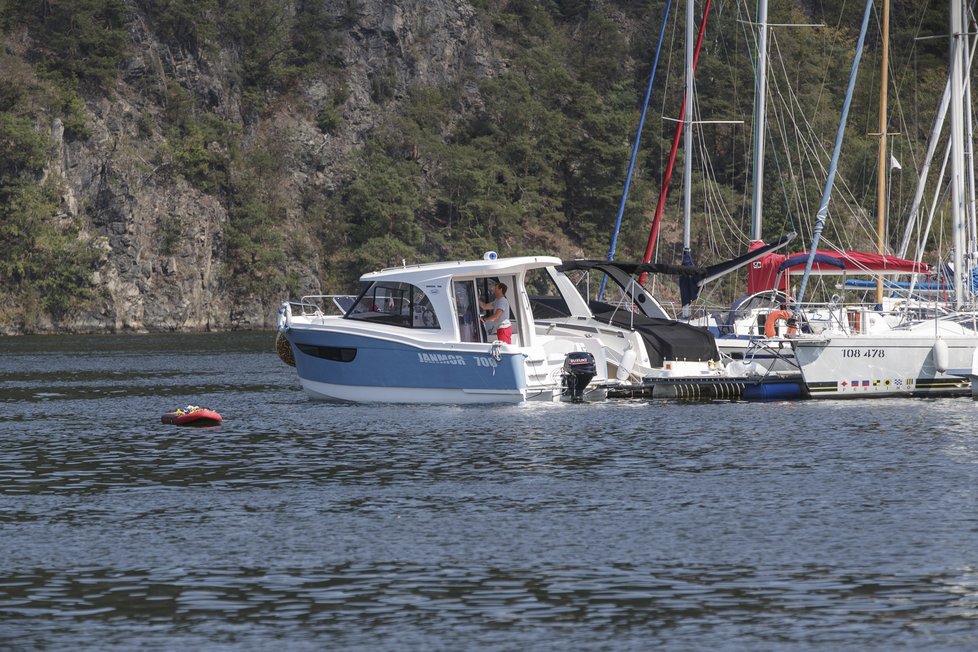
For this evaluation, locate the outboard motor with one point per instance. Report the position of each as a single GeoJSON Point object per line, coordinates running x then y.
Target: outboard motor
{"type": "Point", "coordinates": [579, 369]}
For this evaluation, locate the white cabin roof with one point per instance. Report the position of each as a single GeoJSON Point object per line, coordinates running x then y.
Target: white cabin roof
{"type": "Point", "coordinates": [419, 273]}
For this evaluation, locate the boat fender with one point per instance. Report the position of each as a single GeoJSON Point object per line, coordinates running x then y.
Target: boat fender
{"type": "Point", "coordinates": [626, 364]}
{"type": "Point", "coordinates": [755, 369]}
{"type": "Point", "coordinates": [284, 349]}
{"type": "Point", "coordinates": [770, 325]}
{"type": "Point", "coordinates": [736, 368]}
{"type": "Point", "coordinates": [941, 355]}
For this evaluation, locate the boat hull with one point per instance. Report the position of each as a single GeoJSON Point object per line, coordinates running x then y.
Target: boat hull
{"type": "Point", "coordinates": [866, 366]}
{"type": "Point", "coordinates": [353, 367]}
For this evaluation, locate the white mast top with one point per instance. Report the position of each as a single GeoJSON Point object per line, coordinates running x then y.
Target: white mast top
{"type": "Point", "coordinates": [958, 208]}
{"type": "Point", "coordinates": [760, 108]}
{"type": "Point", "coordinates": [688, 130]}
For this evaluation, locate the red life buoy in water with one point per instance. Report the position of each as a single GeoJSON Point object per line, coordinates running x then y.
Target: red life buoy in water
{"type": "Point", "coordinates": [770, 326]}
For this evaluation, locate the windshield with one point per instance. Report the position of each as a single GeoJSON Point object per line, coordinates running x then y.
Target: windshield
{"type": "Point", "coordinates": [399, 304]}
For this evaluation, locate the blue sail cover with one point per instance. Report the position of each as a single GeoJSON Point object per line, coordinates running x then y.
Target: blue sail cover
{"type": "Point", "coordinates": [689, 287]}
{"type": "Point", "coordinates": [820, 258]}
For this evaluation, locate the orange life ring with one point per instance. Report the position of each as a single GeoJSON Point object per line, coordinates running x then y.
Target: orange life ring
{"type": "Point", "coordinates": [770, 326]}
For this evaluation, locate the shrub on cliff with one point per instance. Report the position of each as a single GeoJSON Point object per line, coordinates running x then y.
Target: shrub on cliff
{"type": "Point", "coordinates": [81, 41]}
{"type": "Point", "coordinates": [40, 251]}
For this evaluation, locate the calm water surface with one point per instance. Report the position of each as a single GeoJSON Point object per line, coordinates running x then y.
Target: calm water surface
{"type": "Point", "coordinates": [301, 525]}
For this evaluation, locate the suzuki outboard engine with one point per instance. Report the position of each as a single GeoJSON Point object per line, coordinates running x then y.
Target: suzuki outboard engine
{"type": "Point", "coordinates": [579, 369]}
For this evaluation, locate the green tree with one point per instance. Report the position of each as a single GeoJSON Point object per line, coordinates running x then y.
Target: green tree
{"type": "Point", "coordinates": [40, 252]}
{"type": "Point", "coordinates": [190, 24]}
{"type": "Point", "coordinates": [83, 41]}
{"type": "Point", "coordinates": [383, 200]}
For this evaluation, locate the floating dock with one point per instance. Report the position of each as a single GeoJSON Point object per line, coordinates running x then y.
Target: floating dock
{"type": "Point", "coordinates": [772, 387]}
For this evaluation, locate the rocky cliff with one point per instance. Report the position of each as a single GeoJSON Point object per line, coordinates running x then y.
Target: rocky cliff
{"type": "Point", "coordinates": [189, 164]}
{"type": "Point", "coordinates": [161, 238]}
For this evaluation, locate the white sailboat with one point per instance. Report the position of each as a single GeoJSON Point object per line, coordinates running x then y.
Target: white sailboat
{"type": "Point", "coordinates": [862, 354]}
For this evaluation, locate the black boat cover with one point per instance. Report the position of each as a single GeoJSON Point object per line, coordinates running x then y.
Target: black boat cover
{"type": "Point", "coordinates": [665, 339]}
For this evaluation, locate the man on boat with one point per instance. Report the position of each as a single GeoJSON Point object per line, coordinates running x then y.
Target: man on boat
{"type": "Point", "coordinates": [498, 321]}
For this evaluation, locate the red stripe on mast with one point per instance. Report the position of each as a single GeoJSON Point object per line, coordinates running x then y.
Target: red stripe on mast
{"type": "Point", "coordinates": [654, 230]}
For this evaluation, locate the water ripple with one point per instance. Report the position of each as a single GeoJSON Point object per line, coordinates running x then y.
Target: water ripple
{"type": "Point", "coordinates": [814, 606]}
{"type": "Point", "coordinates": [621, 525]}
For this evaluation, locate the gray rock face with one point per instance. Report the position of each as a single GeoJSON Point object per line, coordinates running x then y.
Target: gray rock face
{"type": "Point", "coordinates": [162, 241]}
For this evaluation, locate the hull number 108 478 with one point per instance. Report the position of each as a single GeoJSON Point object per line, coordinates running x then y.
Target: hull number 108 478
{"type": "Point", "coordinates": [863, 353]}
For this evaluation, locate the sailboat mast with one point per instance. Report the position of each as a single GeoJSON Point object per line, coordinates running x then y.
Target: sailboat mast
{"type": "Point", "coordinates": [823, 207]}
{"type": "Point", "coordinates": [688, 143]}
{"type": "Point", "coordinates": [918, 197]}
{"type": "Point", "coordinates": [969, 153]}
{"type": "Point", "coordinates": [760, 108]}
{"type": "Point", "coordinates": [958, 209]}
{"type": "Point", "coordinates": [883, 159]}
{"type": "Point", "coordinates": [687, 130]}
{"type": "Point", "coordinates": [677, 136]}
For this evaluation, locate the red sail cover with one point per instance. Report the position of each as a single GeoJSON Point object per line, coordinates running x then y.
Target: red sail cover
{"type": "Point", "coordinates": [764, 271]}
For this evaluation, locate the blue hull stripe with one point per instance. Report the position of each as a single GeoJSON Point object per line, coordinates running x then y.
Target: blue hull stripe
{"type": "Point", "coordinates": [380, 363]}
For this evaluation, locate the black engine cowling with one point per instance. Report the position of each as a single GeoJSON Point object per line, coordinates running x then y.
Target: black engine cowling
{"type": "Point", "coordinates": [579, 369]}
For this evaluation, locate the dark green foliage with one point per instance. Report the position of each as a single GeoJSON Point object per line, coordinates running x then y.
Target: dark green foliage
{"type": "Point", "coordinates": [544, 156]}
{"type": "Point", "coordinates": [572, 9]}
{"type": "Point", "coordinates": [82, 40]}
{"type": "Point", "coordinates": [23, 151]}
{"type": "Point", "coordinates": [189, 24]}
{"type": "Point", "coordinates": [382, 203]}
{"type": "Point", "coordinates": [279, 41]}
{"type": "Point", "coordinates": [200, 143]}
{"type": "Point", "coordinates": [256, 247]}
{"type": "Point", "coordinates": [383, 83]}
{"type": "Point", "coordinates": [74, 117]}
{"type": "Point", "coordinates": [254, 240]}
{"type": "Point", "coordinates": [378, 253]}
{"type": "Point", "coordinates": [328, 119]}
{"type": "Point", "coordinates": [59, 267]}
{"type": "Point", "coordinates": [528, 22]}
{"type": "Point", "coordinates": [43, 263]}
{"type": "Point", "coordinates": [598, 59]}
{"type": "Point", "coordinates": [260, 29]}
{"type": "Point", "coordinates": [40, 254]}
{"type": "Point", "coordinates": [311, 38]}
{"type": "Point", "coordinates": [529, 158]}
{"type": "Point", "coordinates": [169, 235]}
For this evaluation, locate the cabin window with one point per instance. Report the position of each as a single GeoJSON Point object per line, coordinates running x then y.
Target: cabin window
{"type": "Point", "coordinates": [469, 294]}
{"type": "Point", "coordinates": [546, 299]}
{"type": "Point", "coordinates": [398, 304]}
{"type": "Point", "coordinates": [466, 311]}
{"type": "Point", "coordinates": [484, 291]}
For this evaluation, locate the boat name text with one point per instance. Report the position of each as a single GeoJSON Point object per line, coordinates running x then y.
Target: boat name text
{"type": "Point", "coordinates": [441, 358]}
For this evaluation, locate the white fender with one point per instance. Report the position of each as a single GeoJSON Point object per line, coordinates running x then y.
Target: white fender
{"type": "Point", "coordinates": [755, 369]}
{"type": "Point", "coordinates": [284, 316]}
{"type": "Point", "coordinates": [737, 368]}
{"type": "Point", "coordinates": [626, 364]}
{"type": "Point", "coordinates": [941, 355]}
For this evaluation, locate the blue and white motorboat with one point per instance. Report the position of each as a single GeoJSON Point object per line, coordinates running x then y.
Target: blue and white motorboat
{"type": "Point", "coordinates": [413, 335]}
